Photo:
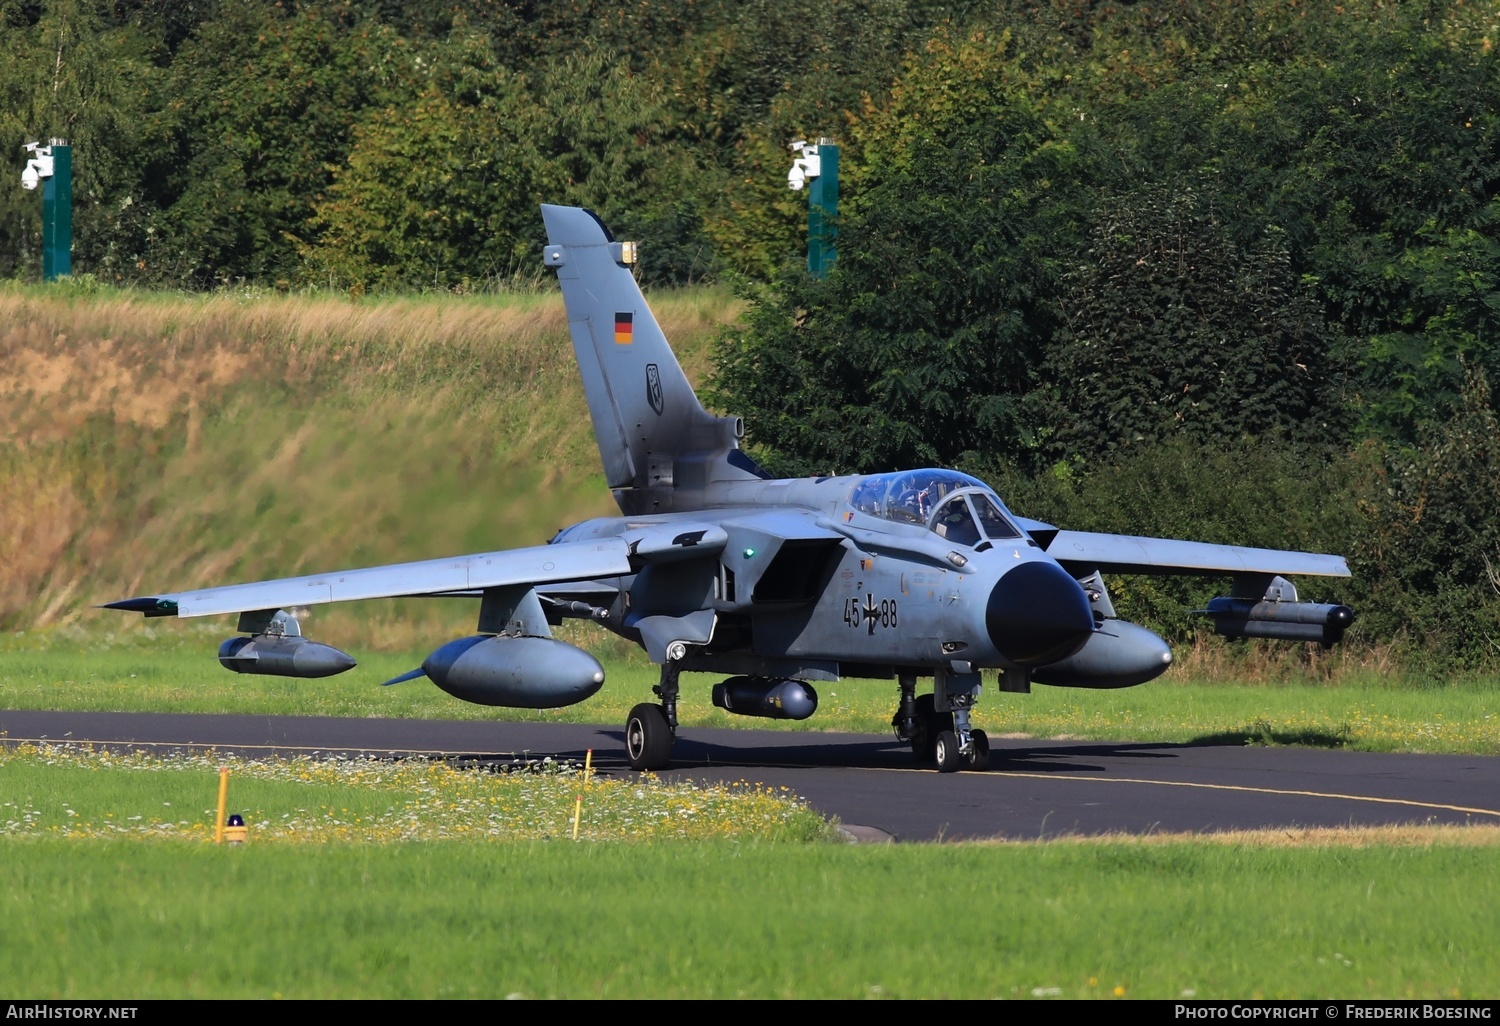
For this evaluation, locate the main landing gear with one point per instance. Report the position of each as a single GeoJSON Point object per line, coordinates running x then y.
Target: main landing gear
{"type": "Point", "coordinates": [941, 737]}
{"type": "Point", "coordinates": [651, 729]}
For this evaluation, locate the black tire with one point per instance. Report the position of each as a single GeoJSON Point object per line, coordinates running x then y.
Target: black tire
{"type": "Point", "coordinates": [979, 743]}
{"type": "Point", "coordinates": [949, 758]}
{"type": "Point", "coordinates": [648, 738]}
{"type": "Point", "coordinates": [929, 723]}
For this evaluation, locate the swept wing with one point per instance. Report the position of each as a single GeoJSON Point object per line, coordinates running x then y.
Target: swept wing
{"type": "Point", "coordinates": [567, 561]}
{"type": "Point", "coordinates": [1127, 554]}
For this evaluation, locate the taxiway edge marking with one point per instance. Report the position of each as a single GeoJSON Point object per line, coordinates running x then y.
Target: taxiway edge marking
{"type": "Point", "coordinates": [1264, 790]}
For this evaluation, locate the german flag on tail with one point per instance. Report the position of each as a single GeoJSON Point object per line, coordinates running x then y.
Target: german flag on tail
{"type": "Point", "coordinates": [624, 328]}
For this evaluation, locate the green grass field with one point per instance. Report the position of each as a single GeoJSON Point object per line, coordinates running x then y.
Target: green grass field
{"type": "Point", "coordinates": [110, 888]}
{"type": "Point", "coordinates": [724, 920]}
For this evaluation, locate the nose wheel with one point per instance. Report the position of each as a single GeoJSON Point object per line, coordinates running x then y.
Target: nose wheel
{"type": "Point", "coordinates": [945, 750]}
{"type": "Point", "coordinates": [951, 756]}
{"type": "Point", "coordinates": [979, 754]}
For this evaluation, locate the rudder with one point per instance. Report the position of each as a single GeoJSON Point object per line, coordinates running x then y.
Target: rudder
{"type": "Point", "coordinates": [645, 412]}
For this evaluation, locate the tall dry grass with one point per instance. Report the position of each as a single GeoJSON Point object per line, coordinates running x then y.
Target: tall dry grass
{"type": "Point", "coordinates": [158, 443]}
{"type": "Point", "coordinates": [1212, 658]}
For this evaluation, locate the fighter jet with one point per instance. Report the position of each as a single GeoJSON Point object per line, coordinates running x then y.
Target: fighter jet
{"type": "Point", "coordinates": [773, 586]}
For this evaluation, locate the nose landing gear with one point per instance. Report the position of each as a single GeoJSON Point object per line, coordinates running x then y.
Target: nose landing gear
{"type": "Point", "coordinates": [945, 738]}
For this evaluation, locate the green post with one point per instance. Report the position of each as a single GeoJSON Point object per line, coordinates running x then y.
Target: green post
{"type": "Point", "coordinates": [823, 211]}
{"type": "Point", "coordinates": [57, 214]}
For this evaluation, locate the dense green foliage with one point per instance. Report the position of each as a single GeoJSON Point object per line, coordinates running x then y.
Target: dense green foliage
{"type": "Point", "coordinates": [918, 347]}
{"type": "Point", "coordinates": [1206, 270]}
{"type": "Point", "coordinates": [380, 144]}
{"type": "Point", "coordinates": [1171, 329]}
{"type": "Point", "coordinates": [1081, 245]}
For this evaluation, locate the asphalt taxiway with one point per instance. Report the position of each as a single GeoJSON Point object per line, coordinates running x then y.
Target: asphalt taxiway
{"type": "Point", "coordinates": [871, 784]}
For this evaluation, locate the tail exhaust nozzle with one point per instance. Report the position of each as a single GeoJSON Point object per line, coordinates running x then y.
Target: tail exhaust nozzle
{"type": "Point", "coordinates": [771, 698]}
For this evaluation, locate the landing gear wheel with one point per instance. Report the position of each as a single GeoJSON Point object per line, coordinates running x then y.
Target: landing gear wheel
{"type": "Point", "coordinates": [648, 738]}
{"type": "Point", "coordinates": [930, 723]}
{"type": "Point", "coordinates": [922, 740]}
{"type": "Point", "coordinates": [979, 750]}
{"type": "Point", "coordinates": [949, 758]}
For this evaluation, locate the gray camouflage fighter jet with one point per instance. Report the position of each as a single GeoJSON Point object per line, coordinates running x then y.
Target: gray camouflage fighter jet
{"type": "Point", "coordinates": [770, 585]}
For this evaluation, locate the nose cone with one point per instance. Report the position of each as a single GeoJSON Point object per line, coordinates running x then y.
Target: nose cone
{"type": "Point", "coordinates": [1037, 614]}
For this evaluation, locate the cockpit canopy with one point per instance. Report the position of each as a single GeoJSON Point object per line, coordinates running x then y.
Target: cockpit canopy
{"type": "Point", "coordinates": [957, 507]}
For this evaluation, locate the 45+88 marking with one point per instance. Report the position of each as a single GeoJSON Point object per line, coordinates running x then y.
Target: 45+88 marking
{"type": "Point", "coordinates": [871, 614]}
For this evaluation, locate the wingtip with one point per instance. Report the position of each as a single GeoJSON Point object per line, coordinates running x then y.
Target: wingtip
{"type": "Point", "coordinates": [150, 605]}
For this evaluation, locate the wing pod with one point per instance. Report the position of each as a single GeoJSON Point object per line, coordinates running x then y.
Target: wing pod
{"type": "Point", "coordinates": [1322, 622]}
{"type": "Point", "coordinates": [1277, 614]}
{"type": "Point", "coordinates": [1119, 654]}
{"type": "Point", "coordinates": [275, 647]}
{"type": "Point", "coordinates": [283, 657]}
{"type": "Point", "coordinates": [519, 673]}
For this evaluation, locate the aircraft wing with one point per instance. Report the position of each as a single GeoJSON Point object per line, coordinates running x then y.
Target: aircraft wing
{"type": "Point", "coordinates": [565, 561]}
{"type": "Point", "coordinates": [1126, 554]}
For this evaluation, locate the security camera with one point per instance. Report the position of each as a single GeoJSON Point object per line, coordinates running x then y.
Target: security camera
{"type": "Point", "coordinates": [38, 167]}
{"type": "Point", "coordinates": [808, 165]}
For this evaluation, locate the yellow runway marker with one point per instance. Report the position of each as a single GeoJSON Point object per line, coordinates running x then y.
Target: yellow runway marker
{"type": "Point", "coordinates": [223, 804]}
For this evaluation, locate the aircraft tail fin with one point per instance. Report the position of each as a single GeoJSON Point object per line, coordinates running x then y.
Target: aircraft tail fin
{"type": "Point", "coordinates": [645, 413]}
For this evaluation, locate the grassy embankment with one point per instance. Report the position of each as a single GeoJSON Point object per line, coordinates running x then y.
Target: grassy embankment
{"type": "Point", "coordinates": [165, 441]}
{"type": "Point", "coordinates": [371, 880]}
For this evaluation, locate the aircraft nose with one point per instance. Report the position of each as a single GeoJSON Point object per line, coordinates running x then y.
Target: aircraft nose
{"type": "Point", "coordinates": [1037, 614]}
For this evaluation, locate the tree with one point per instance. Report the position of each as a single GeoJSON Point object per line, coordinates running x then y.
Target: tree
{"type": "Point", "coordinates": [919, 346]}
{"type": "Point", "coordinates": [438, 191]}
{"type": "Point", "coordinates": [1169, 327]}
{"type": "Point", "coordinates": [1431, 548]}
{"type": "Point", "coordinates": [259, 108]}
{"type": "Point", "coordinates": [77, 71]}
{"type": "Point", "coordinates": [608, 138]}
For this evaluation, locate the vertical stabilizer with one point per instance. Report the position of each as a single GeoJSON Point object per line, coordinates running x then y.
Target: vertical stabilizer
{"type": "Point", "coordinates": [645, 412]}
